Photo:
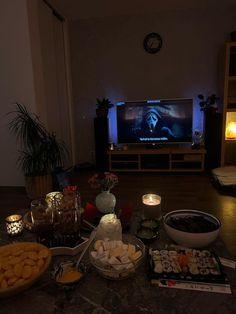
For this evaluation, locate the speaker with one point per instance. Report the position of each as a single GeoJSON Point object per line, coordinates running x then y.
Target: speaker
{"type": "Point", "coordinates": [101, 137]}
{"type": "Point", "coordinates": [213, 133]}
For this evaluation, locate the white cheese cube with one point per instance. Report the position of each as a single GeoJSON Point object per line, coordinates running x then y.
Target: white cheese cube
{"type": "Point", "coordinates": [94, 254]}
{"type": "Point", "coordinates": [129, 266]}
{"type": "Point", "coordinates": [113, 260]}
{"type": "Point", "coordinates": [118, 267]}
{"type": "Point", "coordinates": [125, 259]}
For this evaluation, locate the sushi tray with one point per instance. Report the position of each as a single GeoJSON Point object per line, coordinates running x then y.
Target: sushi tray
{"type": "Point", "coordinates": [187, 268]}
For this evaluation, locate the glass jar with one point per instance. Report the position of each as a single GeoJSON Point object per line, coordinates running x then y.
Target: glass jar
{"type": "Point", "coordinates": [69, 212]}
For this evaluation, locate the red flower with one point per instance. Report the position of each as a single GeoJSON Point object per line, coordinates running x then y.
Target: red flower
{"type": "Point", "coordinates": [105, 181]}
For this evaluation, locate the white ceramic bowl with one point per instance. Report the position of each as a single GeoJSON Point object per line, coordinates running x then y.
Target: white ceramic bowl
{"type": "Point", "coordinates": [193, 238]}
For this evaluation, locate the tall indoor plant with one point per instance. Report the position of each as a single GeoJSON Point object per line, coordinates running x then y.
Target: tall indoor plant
{"type": "Point", "coordinates": [41, 151]}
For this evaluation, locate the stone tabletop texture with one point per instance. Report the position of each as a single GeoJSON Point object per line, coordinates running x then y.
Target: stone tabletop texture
{"type": "Point", "coordinates": [95, 294]}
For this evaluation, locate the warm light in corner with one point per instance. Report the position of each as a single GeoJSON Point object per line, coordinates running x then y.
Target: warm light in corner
{"type": "Point", "coordinates": [230, 132]}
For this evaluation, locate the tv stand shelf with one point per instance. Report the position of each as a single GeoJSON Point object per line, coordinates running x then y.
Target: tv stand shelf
{"type": "Point", "coordinates": [163, 159]}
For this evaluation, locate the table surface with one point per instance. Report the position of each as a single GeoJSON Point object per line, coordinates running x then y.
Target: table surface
{"type": "Point", "coordinates": [94, 294]}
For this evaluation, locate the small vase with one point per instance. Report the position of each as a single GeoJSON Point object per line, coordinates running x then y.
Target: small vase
{"type": "Point", "coordinates": [105, 202]}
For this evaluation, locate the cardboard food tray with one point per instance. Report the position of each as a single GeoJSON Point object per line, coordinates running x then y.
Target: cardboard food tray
{"type": "Point", "coordinates": [187, 269]}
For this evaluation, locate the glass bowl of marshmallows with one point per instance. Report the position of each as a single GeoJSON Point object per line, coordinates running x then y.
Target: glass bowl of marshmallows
{"type": "Point", "coordinates": [117, 259]}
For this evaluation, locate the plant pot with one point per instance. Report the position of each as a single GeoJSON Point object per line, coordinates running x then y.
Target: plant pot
{"type": "Point", "coordinates": [38, 186]}
{"type": "Point", "coordinates": [101, 112]}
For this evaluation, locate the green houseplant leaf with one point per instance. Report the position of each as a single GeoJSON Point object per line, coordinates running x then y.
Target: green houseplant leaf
{"type": "Point", "coordinates": [41, 152]}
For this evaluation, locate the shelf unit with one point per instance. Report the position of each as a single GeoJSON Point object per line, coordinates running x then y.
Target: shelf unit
{"type": "Point", "coordinates": [157, 160]}
{"type": "Point", "coordinates": [228, 144]}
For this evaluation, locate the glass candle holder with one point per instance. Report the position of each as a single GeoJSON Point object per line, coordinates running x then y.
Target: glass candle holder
{"type": "Point", "coordinates": [54, 198]}
{"type": "Point", "coordinates": [152, 206]}
{"type": "Point", "coordinates": [14, 225]}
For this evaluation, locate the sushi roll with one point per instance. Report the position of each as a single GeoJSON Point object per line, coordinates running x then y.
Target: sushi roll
{"type": "Point", "coordinates": [204, 271]}
{"type": "Point", "coordinates": [176, 268]}
{"type": "Point", "coordinates": [164, 258]}
{"type": "Point", "coordinates": [214, 271]}
{"type": "Point", "coordinates": [166, 264]}
{"type": "Point", "coordinates": [206, 253]}
{"type": "Point", "coordinates": [164, 252]}
{"type": "Point", "coordinates": [167, 269]}
{"type": "Point", "coordinates": [202, 264]}
{"type": "Point", "coordinates": [211, 263]}
{"type": "Point", "coordinates": [196, 253]}
{"type": "Point", "coordinates": [173, 253]}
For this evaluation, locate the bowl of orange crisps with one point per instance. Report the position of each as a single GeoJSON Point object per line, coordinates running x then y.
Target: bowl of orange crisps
{"type": "Point", "coordinates": [21, 265]}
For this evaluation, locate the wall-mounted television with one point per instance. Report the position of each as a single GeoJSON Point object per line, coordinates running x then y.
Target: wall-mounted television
{"type": "Point", "coordinates": [155, 121]}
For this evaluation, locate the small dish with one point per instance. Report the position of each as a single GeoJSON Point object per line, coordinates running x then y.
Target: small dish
{"type": "Point", "coordinates": [146, 234]}
{"type": "Point", "coordinates": [150, 223]}
{"type": "Point", "coordinates": [66, 273]}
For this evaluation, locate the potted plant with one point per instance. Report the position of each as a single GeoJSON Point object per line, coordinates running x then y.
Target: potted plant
{"type": "Point", "coordinates": [103, 106]}
{"type": "Point", "coordinates": [41, 151]}
{"type": "Point", "coordinates": [208, 103]}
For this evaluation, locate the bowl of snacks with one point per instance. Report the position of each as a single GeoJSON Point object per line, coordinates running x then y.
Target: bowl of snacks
{"type": "Point", "coordinates": [67, 273]}
{"type": "Point", "coordinates": [191, 228]}
{"type": "Point", "coordinates": [22, 264]}
{"type": "Point", "coordinates": [116, 259]}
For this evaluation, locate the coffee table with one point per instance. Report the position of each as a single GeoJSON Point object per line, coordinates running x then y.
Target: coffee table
{"type": "Point", "coordinates": [94, 294]}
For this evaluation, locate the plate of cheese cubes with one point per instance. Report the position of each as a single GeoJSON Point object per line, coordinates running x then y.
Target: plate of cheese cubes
{"type": "Point", "coordinates": [117, 259]}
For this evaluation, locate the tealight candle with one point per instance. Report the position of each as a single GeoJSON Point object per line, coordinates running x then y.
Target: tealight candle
{"type": "Point", "coordinates": [152, 206]}
{"type": "Point", "coordinates": [14, 225]}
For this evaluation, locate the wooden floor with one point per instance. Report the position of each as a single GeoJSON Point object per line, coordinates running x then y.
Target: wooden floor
{"type": "Point", "coordinates": [178, 191]}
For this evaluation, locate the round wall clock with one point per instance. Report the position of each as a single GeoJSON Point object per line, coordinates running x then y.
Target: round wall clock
{"type": "Point", "coordinates": [152, 42]}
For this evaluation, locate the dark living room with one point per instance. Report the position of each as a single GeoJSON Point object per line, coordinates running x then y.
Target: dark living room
{"type": "Point", "coordinates": [165, 73]}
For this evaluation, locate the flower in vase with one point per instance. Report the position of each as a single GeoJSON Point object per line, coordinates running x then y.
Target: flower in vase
{"type": "Point", "coordinates": [105, 181]}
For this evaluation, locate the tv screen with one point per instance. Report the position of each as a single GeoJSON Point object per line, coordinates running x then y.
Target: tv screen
{"type": "Point", "coordinates": [162, 121]}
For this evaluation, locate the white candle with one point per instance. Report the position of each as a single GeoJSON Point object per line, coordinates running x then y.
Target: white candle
{"type": "Point", "coordinates": [152, 206]}
{"type": "Point", "coordinates": [151, 199]}
{"type": "Point", "coordinates": [14, 225]}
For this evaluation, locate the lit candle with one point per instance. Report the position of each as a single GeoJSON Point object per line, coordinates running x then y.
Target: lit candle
{"type": "Point", "coordinates": [152, 206]}
{"type": "Point", "coordinates": [151, 199]}
{"type": "Point", "coordinates": [14, 225]}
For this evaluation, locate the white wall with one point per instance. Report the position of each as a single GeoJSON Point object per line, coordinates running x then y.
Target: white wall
{"type": "Point", "coordinates": [108, 60]}
{"type": "Point", "coordinates": [16, 79]}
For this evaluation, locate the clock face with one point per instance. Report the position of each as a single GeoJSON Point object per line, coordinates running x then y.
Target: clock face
{"type": "Point", "coordinates": [152, 42]}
